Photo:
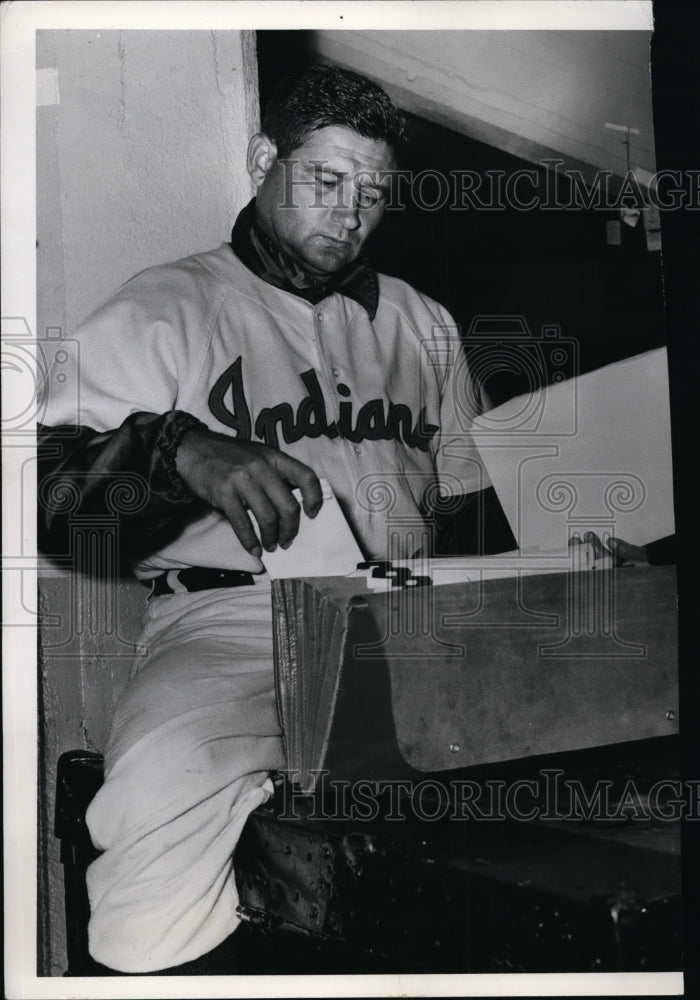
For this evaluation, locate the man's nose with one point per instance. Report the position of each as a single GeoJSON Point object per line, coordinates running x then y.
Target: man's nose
{"type": "Point", "coordinates": [347, 210]}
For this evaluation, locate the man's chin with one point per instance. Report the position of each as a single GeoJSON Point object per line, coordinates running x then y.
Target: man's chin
{"type": "Point", "coordinates": [325, 266]}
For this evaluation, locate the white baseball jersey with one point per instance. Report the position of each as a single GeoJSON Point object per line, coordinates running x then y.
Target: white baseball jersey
{"type": "Point", "coordinates": [380, 408]}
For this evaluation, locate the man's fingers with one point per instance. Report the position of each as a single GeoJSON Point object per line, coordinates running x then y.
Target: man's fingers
{"type": "Point", "coordinates": [628, 554]}
{"type": "Point", "coordinates": [623, 553]}
{"type": "Point", "coordinates": [240, 522]}
{"type": "Point", "coordinates": [286, 509]}
{"type": "Point", "coordinates": [266, 514]}
{"type": "Point", "coordinates": [311, 494]}
{"type": "Point", "coordinates": [599, 550]}
{"type": "Point", "coordinates": [304, 478]}
{"type": "Point", "coordinates": [233, 476]}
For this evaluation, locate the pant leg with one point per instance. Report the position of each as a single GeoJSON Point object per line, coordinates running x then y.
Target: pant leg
{"type": "Point", "coordinates": [194, 736]}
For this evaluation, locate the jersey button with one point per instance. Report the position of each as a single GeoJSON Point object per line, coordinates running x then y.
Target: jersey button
{"type": "Point", "coordinates": [358, 450]}
{"type": "Point", "coordinates": [336, 371]}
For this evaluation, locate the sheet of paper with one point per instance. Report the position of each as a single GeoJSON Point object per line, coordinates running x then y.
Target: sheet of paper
{"type": "Point", "coordinates": [324, 545]}
{"type": "Point", "coordinates": [592, 453]}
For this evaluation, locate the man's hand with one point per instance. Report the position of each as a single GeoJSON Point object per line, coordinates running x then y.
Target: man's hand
{"type": "Point", "coordinates": [235, 476]}
{"type": "Point", "coordinates": [622, 552]}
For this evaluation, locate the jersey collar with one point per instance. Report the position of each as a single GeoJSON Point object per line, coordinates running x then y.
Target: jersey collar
{"type": "Point", "coordinates": [268, 261]}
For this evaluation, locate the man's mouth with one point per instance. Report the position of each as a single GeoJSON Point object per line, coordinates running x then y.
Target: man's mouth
{"type": "Point", "coordinates": [335, 244]}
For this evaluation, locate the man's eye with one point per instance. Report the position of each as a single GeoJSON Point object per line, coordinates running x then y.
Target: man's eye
{"type": "Point", "coordinates": [325, 183]}
{"type": "Point", "coordinates": [369, 200]}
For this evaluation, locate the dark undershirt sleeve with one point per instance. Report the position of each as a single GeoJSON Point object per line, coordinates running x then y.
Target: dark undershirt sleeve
{"type": "Point", "coordinates": [127, 473]}
{"type": "Point", "coordinates": [472, 524]}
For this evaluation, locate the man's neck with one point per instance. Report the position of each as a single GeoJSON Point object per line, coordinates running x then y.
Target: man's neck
{"type": "Point", "coordinates": [260, 252]}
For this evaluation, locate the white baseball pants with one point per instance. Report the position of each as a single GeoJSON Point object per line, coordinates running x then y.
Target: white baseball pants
{"type": "Point", "coordinates": [194, 736]}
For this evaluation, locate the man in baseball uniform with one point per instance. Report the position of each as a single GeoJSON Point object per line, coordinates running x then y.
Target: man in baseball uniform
{"type": "Point", "coordinates": [224, 381]}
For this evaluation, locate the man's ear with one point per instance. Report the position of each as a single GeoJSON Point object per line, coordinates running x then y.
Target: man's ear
{"type": "Point", "coordinates": [262, 154]}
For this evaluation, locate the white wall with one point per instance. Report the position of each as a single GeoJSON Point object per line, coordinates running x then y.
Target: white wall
{"type": "Point", "coordinates": [141, 160]}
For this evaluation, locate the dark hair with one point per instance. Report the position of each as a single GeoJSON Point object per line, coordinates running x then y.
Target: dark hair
{"type": "Point", "coordinates": [328, 95]}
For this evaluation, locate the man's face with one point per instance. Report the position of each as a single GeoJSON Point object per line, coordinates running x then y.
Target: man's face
{"type": "Point", "coordinates": [322, 203]}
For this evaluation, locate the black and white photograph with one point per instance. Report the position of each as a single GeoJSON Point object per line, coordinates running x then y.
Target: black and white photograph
{"type": "Point", "coordinates": [347, 551]}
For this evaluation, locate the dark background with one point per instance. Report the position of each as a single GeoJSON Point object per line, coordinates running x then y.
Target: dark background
{"type": "Point", "coordinates": [676, 100]}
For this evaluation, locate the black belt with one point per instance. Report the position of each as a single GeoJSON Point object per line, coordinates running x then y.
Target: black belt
{"type": "Point", "coordinates": [198, 578]}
